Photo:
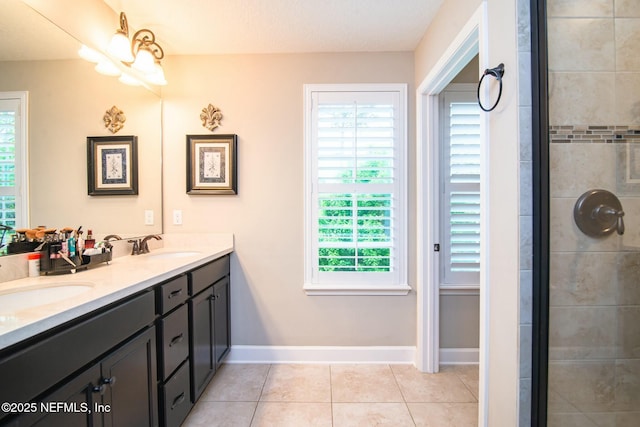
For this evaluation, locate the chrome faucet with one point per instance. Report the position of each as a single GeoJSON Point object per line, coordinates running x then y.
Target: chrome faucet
{"type": "Point", "coordinates": [144, 246]}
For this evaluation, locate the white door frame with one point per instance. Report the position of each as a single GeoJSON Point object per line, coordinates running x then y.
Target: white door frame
{"type": "Point", "coordinates": [470, 41]}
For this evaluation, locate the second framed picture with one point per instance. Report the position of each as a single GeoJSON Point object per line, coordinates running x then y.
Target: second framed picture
{"type": "Point", "coordinates": [212, 163]}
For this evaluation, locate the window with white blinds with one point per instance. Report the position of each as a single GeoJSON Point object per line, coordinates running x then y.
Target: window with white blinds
{"type": "Point", "coordinates": [13, 209]}
{"type": "Point", "coordinates": [460, 247]}
{"type": "Point", "coordinates": [356, 183]}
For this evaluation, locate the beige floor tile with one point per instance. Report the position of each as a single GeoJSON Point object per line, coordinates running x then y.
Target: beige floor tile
{"type": "Point", "coordinates": [421, 387]}
{"type": "Point", "coordinates": [221, 414]}
{"type": "Point", "coordinates": [297, 383]}
{"type": "Point", "coordinates": [292, 414]}
{"type": "Point", "coordinates": [237, 383]}
{"type": "Point", "coordinates": [444, 414]}
{"type": "Point", "coordinates": [371, 414]}
{"type": "Point", "coordinates": [468, 374]}
{"type": "Point", "coordinates": [364, 383]}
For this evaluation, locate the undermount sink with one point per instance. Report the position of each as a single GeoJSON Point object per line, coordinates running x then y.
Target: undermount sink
{"type": "Point", "coordinates": [33, 296]}
{"type": "Point", "coordinates": [174, 254]}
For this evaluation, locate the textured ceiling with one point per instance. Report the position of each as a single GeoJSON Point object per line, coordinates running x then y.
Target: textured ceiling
{"type": "Point", "coordinates": [279, 26]}
{"type": "Point", "coordinates": [201, 27]}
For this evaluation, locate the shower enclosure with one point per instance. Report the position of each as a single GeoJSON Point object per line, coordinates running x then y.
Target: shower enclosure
{"type": "Point", "coordinates": [592, 263]}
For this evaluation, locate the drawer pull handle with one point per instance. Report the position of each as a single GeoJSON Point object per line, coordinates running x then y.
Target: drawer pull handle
{"type": "Point", "coordinates": [176, 340]}
{"type": "Point", "coordinates": [174, 294]}
{"type": "Point", "coordinates": [178, 400]}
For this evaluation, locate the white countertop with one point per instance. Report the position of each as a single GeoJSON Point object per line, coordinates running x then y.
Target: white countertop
{"type": "Point", "coordinates": [105, 284]}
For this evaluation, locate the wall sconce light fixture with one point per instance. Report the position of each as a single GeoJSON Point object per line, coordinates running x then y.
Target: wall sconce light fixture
{"type": "Point", "coordinates": [139, 58]}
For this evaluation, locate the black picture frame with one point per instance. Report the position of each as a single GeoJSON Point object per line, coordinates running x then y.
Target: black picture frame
{"type": "Point", "coordinates": [212, 164]}
{"type": "Point", "coordinates": [112, 165]}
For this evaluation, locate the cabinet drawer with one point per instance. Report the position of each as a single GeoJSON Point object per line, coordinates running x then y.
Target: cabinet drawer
{"type": "Point", "coordinates": [175, 397]}
{"type": "Point", "coordinates": [205, 276]}
{"type": "Point", "coordinates": [175, 340]}
{"type": "Point", "coordinates": [172, 294]}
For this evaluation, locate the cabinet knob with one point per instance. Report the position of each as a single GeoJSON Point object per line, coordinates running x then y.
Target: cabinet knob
{"type": "Point", "coordinates": [110, 381]}
{"type": "Point", "coordinates": [97, 388]}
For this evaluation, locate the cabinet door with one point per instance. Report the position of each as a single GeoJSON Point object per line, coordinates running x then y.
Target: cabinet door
{"type": "Point", "coordinates": [70, 405]}
{"type": "Point", "coordinates": [202, 342]}
{"type": "Point", "coordinates": [221, 322]}
{"type": "Point", "coordinates": [130, 375]}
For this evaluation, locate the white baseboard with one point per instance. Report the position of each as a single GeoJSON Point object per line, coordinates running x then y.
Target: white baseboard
{"type": "Point", "coordinates": [321, 354]}
{"type": "Point", "coordinates": [459, 356]}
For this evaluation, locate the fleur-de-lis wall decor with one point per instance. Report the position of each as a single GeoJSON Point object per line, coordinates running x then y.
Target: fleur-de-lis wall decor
{"type": "Point", "coordinates": [211, 117]}
{"type": "Point", "coordinates": [114, 119]}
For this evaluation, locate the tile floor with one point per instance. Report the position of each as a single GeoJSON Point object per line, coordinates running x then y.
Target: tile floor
{"type": "Point", "coordinates": [338, 396]}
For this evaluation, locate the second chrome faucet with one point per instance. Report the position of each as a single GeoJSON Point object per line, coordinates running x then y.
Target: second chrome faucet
{"type": "Point", "coordinates": [141, 246]}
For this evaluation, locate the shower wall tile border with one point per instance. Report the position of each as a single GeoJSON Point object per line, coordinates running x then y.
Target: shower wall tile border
{"type": "Point", "coordinates": [596, 134]}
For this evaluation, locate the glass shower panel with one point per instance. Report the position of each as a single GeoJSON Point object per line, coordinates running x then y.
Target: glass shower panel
{"type": "Point", "coordinates": [594, 118]}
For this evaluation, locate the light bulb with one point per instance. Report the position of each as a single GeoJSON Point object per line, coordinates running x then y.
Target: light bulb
{"type": "Point", "coordinates": [144, 61]}
{"type": "Point", "coordinates": [157, 77]}
{"type": "Point", "coordinates": [120, 47]}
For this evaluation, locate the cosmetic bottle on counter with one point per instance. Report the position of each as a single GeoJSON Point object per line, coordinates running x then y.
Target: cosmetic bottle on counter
{"type": "Point", "coordinates": [89, 242]}
{"type": "Point", "coordinates": [34, 264]}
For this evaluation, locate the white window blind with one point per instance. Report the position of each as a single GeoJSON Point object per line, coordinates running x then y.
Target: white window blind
{"type": "Point", "coordinates": [356, 183]}
{"type": "Point", "coordinates": [12, 160]}
{"type": "Point", "coordinates": [461, 190]}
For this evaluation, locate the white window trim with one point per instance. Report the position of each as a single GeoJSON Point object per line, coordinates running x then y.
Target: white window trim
{"type": "Point", "coordinates": [22, 157]}
{"type": "Point", "coordinates": [401, 287]}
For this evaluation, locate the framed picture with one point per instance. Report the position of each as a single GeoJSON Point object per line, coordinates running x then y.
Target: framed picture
{"type": "Point", "coordinates": [112, 165]}
{"type": "Point", "coordinates": [212, 164]}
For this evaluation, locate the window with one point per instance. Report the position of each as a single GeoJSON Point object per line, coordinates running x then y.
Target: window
{"type": "Point", "coordinates": [461, 190]}
{"type": "Point", "coordinates": [355, 201]}
{"type": "Point", "coordinates": [13, 199]}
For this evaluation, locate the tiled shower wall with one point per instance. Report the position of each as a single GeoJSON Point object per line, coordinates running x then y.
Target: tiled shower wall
{"type": "Point", "coordinates": [594, 105]}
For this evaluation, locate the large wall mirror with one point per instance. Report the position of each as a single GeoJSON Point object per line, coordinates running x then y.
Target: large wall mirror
{"type": "Point", "coordinates": [67, 100]}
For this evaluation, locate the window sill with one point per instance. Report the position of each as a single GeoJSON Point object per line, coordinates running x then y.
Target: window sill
{"type": "Point", "coordinates": [314, 290]}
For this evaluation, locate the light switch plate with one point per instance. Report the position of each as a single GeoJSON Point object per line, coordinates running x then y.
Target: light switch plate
{"type": "Point", "coordinates": [148, 217]}
{"type": "Point", "coordinates": [177, 217]}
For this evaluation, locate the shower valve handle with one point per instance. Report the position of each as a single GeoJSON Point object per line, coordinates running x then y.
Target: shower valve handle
{"type": "Point", "coordinates": [604, 213]}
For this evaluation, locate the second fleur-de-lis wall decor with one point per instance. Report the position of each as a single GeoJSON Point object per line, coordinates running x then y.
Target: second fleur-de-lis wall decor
{"type": "Point", "coordinates": [114, 119]}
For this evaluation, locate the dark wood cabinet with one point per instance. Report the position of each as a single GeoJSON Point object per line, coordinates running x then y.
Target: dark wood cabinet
{"type": "Point", "coordinates": [173, 349]}
{"type": "Point", "coordinates": [221, 336]}
{"type": "Point", "coordinates": [202, 344]}
{"type": "Point", "coordinates": [129, 380]}
{"type": "Point", "coordinates": [141, 361]}
{"type": "Point", "coordinates": [208, 322]}
{"type": "Point", "coordinates": [118, 391]}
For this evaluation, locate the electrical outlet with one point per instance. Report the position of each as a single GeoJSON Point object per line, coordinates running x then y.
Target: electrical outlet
{"type": "Point", "coordinates": [177, 217]}
{"type": "Point", "coordinates": [148, 217]}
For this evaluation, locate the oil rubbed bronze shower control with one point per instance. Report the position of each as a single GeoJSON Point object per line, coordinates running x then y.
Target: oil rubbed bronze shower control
{"type": "Point", "coordinates": [598, 213]}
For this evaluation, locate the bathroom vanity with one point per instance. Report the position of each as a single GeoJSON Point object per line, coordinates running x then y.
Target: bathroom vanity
{"type": "Point", "coordinates": [136, 348]}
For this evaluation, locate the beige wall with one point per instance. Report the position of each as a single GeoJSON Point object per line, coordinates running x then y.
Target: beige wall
{"type": "Point", "coordinates": [67, 100]}
{"type": "Point", "coordinates": [261, 98]}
